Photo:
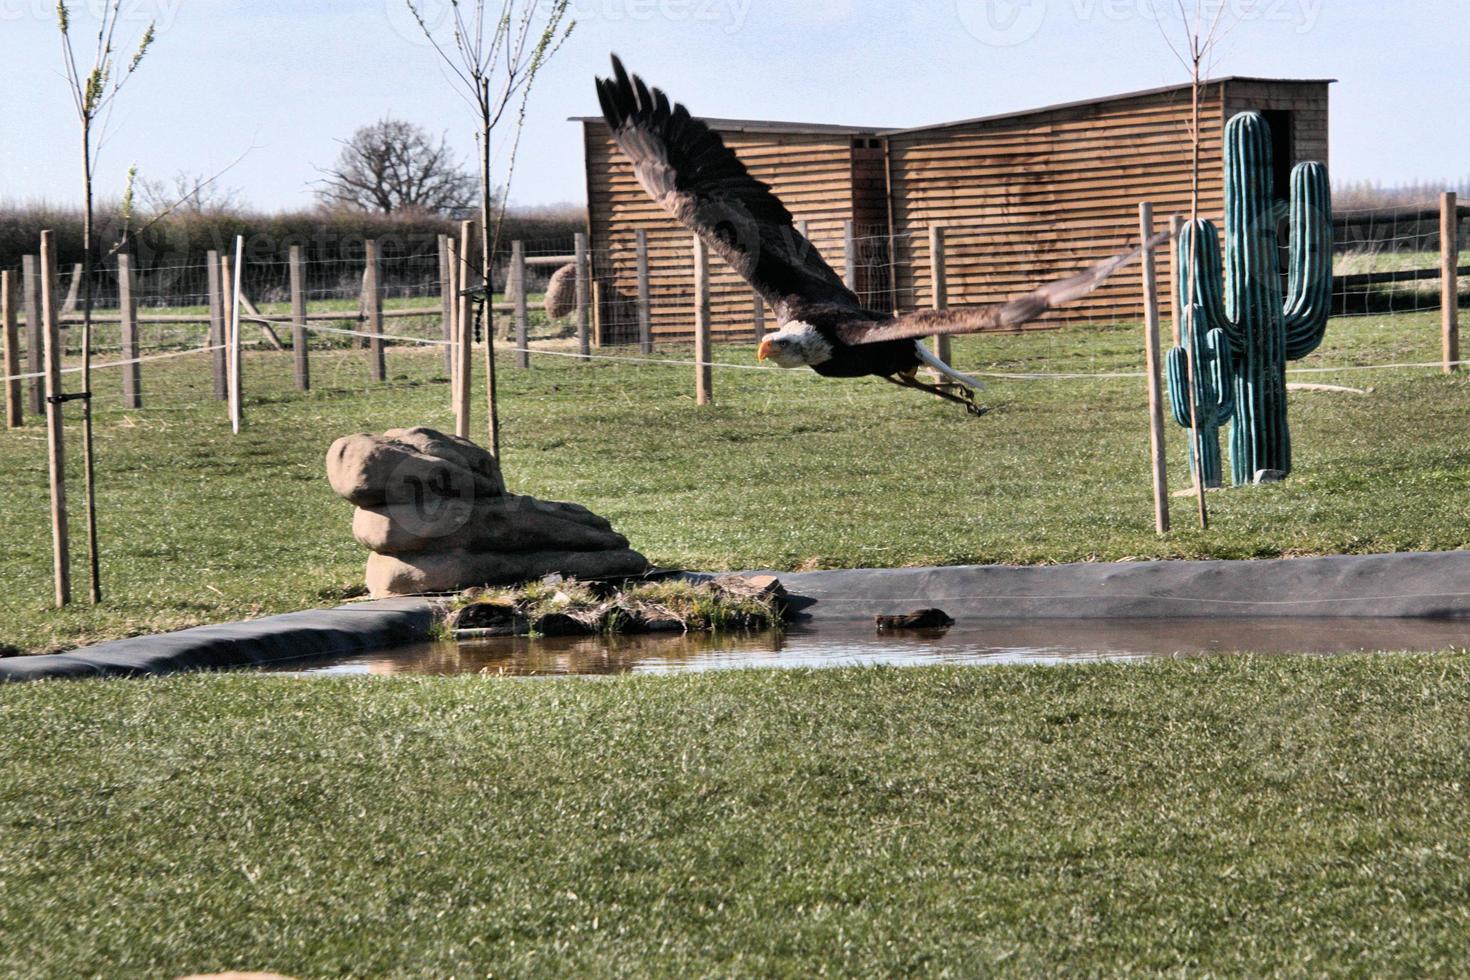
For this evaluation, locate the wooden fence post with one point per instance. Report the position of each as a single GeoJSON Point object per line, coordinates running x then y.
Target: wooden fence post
{"type": "Point", "coordinates": [300, 340]}
{"type": "Point", "coordinates": [237, 375]}
{"type": "Point", "coordinates": [1176, 226]}
{"type": "Point", "coordinates": [30, 285]}
{"type": "Point", "coordinates": [451, 291]}
{"type": "Point", "coordinates": [758, 317]}
{"type": "Point", "coordinates": [939, 287]}
{"type": "Point", "coordinates": [584, 293]}
{"type": "Point", "coordinates": [645, 310]}
{"type": "Point", "coordinates": [703, 371]}
{"type": "Point", "coordinates": [12, 354]}
{"type": "Point", "coordinates": [464, 319]}
{"type": "Point", "coordinates": [1151, 359]}
{"type": "Point", "coordinates": [55, 449]}
{"type": "Point", "coordinates": [1449, 301]}
{"type": "Point", "coordinates": [446, 302]}
{"type": "Point", "coordinates": [518, 291]}
{"type": "Point", "coordinates": [217, 356]}
{"type": "Point", "coordinates": [127, 308]}
{"type": "Point", "coordinates": [73, 290]}
{"type": "Point", "coordinates": [373, 298]}
{"type": "Point", "coordinates": [849, 256]}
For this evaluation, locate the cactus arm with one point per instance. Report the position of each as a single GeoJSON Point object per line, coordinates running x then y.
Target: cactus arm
{"type": "Point", "coordinates": [1309, 299]}
{"type": "Point", "coordinates": [1176, 365]}
{"type": "Point", "coordinates": [1217, 366]}
{"type": "Point", "coordinates": [1212, 392]}
{"type": "Point", "coordinates": [1199, 249]}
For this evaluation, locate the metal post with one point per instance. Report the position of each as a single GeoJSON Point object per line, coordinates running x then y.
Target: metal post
{"type": "Point", "coordinates": [446, 301]}
{"type": "Point", "coordinates": [56, 453]}
{"type": "Point", "coordinates": [217, 340]}
{"type": "Point", "coordinates": [300, 342]}
{"type": "Point", "coordinates": [939, 286]}
{"type": "Point", "coordinates": [523, 316]}
{"type": "Point", "coordinates": [584, 291]}
{"type": "Point", "coordinates": [1449, 253]}
{"type": "Point", "coordinates": [236, 375]}
{"type": "Point", "coordinates": [1151, 359]}
{"type": "Point", "coordinates": [11, 365]}
{"type": "Point", "coordinates": [645, 312]}
{"type": "Point", "coordinates": [30, 285]}
{"type": "Point", "coordinates": [373, 303]}
{"type": "Point", "coordinates": [465, 320]}
{"type": "Point", "coordinates": [703, 371]}
{"type": "Point", "coordinates": [849, 256]}
{"type": "Point", "coordinates": [127, 308]}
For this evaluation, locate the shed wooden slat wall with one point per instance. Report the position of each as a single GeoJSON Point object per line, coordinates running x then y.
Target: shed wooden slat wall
{"type": "Point", "coordinates": [1031, 198]}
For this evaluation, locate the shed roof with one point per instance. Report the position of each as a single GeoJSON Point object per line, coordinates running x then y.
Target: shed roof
{"type": "Point", "coordinates": [1080, 103]}
{"type": "Point", "coordinates": [778, 126]}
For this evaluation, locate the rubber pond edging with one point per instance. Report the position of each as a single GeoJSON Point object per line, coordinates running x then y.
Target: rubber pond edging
{"type": "Point", "coordinates": [1422, 585]}
{"type": "Point", "coordinates": [1419, 585]}
{"type": "Point", "coordinates": [354, 628]}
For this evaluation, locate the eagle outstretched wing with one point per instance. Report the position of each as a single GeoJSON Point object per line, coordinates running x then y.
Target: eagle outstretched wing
{"type": "Point", "coordinates": [688, 170]}
{"type": "Point", "coordinates": [1004, 316]}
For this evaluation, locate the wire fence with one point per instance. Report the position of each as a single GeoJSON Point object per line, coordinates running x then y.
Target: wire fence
{"type": "Point", "coordinates": [633, 292]}
{"type": "Point", "coordinates": [1389, 260]}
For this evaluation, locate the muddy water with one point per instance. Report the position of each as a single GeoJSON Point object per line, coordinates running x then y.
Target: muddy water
{"type": "Point", "coordinates": [988, 642]}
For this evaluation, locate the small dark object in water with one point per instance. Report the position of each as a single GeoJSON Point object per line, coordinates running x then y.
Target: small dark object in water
{"type": "Point", "coordinates": [500, 618]}
{"type": "Point", "coordinates": [563, 624]}
{"type": "Point", "coordinates": [921, 619]}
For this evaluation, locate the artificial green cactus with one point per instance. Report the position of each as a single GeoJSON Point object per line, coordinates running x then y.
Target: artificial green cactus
{"type": "Point", "coordinates": [1213, 389]}
{"type": "Point", "coordinates": [1263, 328]}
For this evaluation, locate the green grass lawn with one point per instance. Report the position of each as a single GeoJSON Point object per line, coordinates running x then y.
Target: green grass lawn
{"type": "Point", "coordinates": [1245, 817]}
{"type": "Point", "coordinates": [787, 470]}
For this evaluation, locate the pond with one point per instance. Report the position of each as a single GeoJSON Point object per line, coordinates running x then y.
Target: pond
{"type": "Point", "coordinates": [1029, 641]}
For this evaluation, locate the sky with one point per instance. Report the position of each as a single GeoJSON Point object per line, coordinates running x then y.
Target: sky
{"type": "Point", "coordinates": [280, 82]}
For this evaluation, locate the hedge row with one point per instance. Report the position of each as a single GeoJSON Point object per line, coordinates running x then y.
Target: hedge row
{"type": "Point", "coordinates": [332, 242]}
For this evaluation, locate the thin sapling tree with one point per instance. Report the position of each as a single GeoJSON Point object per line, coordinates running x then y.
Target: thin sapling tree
{"type": "Point", "coordinates": [493, 57]}
{"type": "Point", "coordinates": [93, 92]}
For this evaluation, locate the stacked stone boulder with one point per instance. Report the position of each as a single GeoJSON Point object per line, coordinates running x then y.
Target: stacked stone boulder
{"type": "Point", "coordinates": [433, 510]}
{"type": "Point", "coordinates": [561, 292]}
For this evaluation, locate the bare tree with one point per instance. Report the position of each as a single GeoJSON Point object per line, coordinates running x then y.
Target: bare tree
{"type": "Point", "coordinates": [394, 166]}
{"type": "Point", "coordinates": [495, 59]}
{"type": "Point", "coordinates": [1202, 34]}
{"type": "Point", "coordinates": [93, 93]}
{"type": "Point", "coordinates": [188, 193]}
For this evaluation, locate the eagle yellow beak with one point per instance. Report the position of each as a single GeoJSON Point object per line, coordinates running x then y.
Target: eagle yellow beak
{"type": "Point", "coordinates": [764, 350]}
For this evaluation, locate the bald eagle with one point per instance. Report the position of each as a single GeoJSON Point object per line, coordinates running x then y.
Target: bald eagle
{"type": "Point", "coordinates": [821, 323]}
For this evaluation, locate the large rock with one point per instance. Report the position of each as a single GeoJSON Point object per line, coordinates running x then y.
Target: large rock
{"type": "Point", "coordinates": [408, 465]}
{"type": "Point", "coordinates": [561, 292]}
{"type": "Point", "coordinates": [433, 510]}
{"type": "Point", "coordinates": [509, 523]}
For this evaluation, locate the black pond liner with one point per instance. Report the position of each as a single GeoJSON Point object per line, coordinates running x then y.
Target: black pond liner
{"type": "Point", "coordinates": [1192, 603]}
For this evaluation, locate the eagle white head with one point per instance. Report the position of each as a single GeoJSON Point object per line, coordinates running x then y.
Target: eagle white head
{"type": "Point", "coordinates": [796, 344]}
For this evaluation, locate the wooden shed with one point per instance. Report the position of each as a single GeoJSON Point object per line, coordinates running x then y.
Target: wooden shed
{"type": "Point", "coordinates": [1024, 197]}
